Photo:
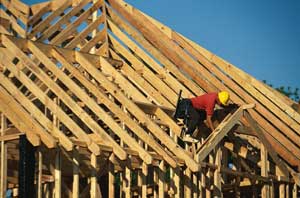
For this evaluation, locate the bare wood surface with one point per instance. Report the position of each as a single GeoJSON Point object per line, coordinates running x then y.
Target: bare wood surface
{"type": "Point", "coordinates": [216, 136]}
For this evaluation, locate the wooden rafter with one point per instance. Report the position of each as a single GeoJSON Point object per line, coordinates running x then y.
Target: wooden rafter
{"type": "Point", "coordinates": [87, 77]}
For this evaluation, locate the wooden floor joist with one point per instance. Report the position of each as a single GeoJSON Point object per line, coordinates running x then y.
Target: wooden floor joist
{"type": "Point", "coordinates": [95, 91]}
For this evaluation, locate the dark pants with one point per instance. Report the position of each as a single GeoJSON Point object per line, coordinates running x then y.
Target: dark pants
{"type": "Point", "coordinates": [191, 116]}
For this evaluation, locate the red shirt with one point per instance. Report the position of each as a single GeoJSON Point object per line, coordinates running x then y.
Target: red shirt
{"type": "Point", "coordinates": [206, 102]}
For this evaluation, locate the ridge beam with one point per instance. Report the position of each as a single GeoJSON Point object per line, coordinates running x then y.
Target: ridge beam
{"type": "Point", "coordinates": [217, 135]}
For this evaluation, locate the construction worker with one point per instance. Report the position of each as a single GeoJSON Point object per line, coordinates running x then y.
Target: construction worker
{"type": "Point", "coordinates": [197, 109]}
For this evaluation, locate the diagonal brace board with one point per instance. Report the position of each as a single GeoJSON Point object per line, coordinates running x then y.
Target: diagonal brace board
{"type": "Point", "coordinates": [281, 164]}
{"type": "Point", "coordinates": [216, 136]}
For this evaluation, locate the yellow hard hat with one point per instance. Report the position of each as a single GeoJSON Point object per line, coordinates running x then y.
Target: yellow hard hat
{"type": "Point", "coordinates": [224, 97]}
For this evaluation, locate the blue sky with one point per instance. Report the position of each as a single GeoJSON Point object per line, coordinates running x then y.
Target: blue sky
{"type": "Point", "coordinates": [262, 37]}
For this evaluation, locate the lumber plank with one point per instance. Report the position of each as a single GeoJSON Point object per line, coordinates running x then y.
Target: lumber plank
{"type": "Point", "coordinates": [43, 25]}
{"type": "Point", "coordinates": [216, 136]}
{"type": "Point", "coordinates": [64, 19]}
{"type": "Point", "coordinates": [150, 78]}
{"type": "Point", "coordinates": [72, 27]}
{"type": "Point", "coordinates": [3, 161]}
{"type": "Point", "coordinates": [265, 142]}
{"type": "Point", "coordinates": [73, 105]}
{"type": "Point", "coordinates": [19, 120]}
{"type": "Point", "coordinates": [171, 145]}
{"type": "Point", "coordinates": [40, 173]}
{"type": "Point", "coordinates": [147, 74]}
{"type": "Point", "coordinates": [36, 113]}
{"type": "Point", "coordinates": [98, 38]}
{"type": "Point", "coordinates": [161, 71]}
{"type": "Point", "coordinates": [207, 54]}
{"type": "Point", "coordinates": [244, 80]}
{"type": "Point", "coordinates": [20, 6]}
{"type": "Point", "coordinates": [116, 110]}
{"type": "Point", "coordinates": [26, 61]}
{"type": "Point", "coordinates": [35, 8]}
{"type": "Point", "coordinates": [123, 83]}
{"type": "Point", "coordinates": [47, 139]}
{"type": "Point", "coordinates": [14, 24]}
{"type": "Point", "coordinates": [256, 95]}
{"type": "Point", "coordinates": [17, 13]}
{"type": "Point", "coordinates": [93, 178]}
{"type": "Point", "coordinates": [155, 36]}
{"type": "Point", "coordinates": [58, 174]}
{"type": "Point", "coordinates": [75, 162]}
{"type": "Point", "coordinates": [80, 37]}
{"type": "Point", "coordinates": [38, 15]}
{"type": "Point", "coordinates": [143, 85]}
{"type": "Point", "coordinates": [268, 92]}
{"type": "Point", "coordinates": [93, 106]}
{"type": "Point", "coordinates": [157, 54]}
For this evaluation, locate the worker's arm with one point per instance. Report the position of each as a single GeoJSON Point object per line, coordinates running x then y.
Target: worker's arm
{"type": "Point", "coordinates": [209, 122]}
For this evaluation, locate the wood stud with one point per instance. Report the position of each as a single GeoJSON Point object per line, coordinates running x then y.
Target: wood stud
{"type": "Point", "coordinates": [139, 70]}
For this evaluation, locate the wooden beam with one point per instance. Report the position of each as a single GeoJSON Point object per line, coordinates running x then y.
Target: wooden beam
{"type": "Point", "coordinates": [282, 166]}
{"type": "Point", "coordinates": [111, 177]}
{"type": "Point", "coordinates": [57, 174]}
{"type": "Point", "coordinates": [92, 105]}
{"type": "Point", "coordinates": [161, 180]}
{"type": "Point", "coordinates": [72, 27]}
{"type": "Point", "coordinates": [48, 29]}
{"type": "Point", "coordinates": [172, 146]}
{"type": "Point", "coordinates": [36, 113]}
{"type": "Point", "coordinates": [213, 58]}
{"type": "Point", "coordinates": [17, 115]}
{"type": "Point", "coordinates": [94, 183]}
{"type": "Point", "coordinates": [75, 162]}
{"type": "Point", "coordinates": [217, 173]}
{"type": "Point", "coordinates": [40, 173]}
{"type": "Point", "coordinates": [79, 39]}
{"type": "Point", "coordinates": [50, 104]}
{"type": "Point", "coordinates": [158, 55]}
{"type": "Point", "coordinates": [116, 110]}
{"type": "Point", "coordinates": [166, 91]}
{"type": "Point", "coordinates": [3, 162]}
{"type": "Point", "coordinates": [216, 136]}
{"type": "Point", "coordinates": [265, 192]}
{"type": "Point", "coordinates": [82, 95]}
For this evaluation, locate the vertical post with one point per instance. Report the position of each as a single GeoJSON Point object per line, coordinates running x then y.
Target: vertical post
{"type": "Point", "coordinates": [93, 190]}
{"type": "Point", "coordinates": [3, 172]}
{"type": "Point", "coordinates": [128, 181]}
{"type": "Point", "coordinates": [155, 179]}
{"type": "Point", "coordinates": [177, 182]}
{"type": "Point", "coordinates": [203, 183]}
{"type": "Point", "coordinates": [161, 183]}
{"type": "Point", "coordinates": [281, 185]}
{"type": "Point", "coordinates": [272, 190]}
{"type": "Point", "coordinates": [209, 174]}
{"type": "Point", "coordinates": [238, 178]}
{"type": "Point", "coordinates": [144, 180]}
{"type": "Point", "coordinates": [265, 191]}
{"type": "Point", "coordinates": [217, 174]}
{"type": "Point", "coordinates": [111, 176]}
{"type": "Point", "coordinates": [287, 190]}
{"type": "Point", "coordinates": [57, 174]}
{"type": "Point", "coordinates": [75, 187]}
{"type": "Point", "coordinates": [187, 183]}
{"type": "Point", "coordinates": [40, 173]}
{"type": "Point", "coordinates": [94, 32]}
{"type": "Point", "coordinates": [195, 183]}
{"type": "Point", "coordinates": [295, 191]}
{"type": "Point", "coordinates": [26, 167]}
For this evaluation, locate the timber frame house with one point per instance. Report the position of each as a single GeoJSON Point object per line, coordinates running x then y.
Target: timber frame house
{"type": "Point", "coordinates": [92, 86]}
